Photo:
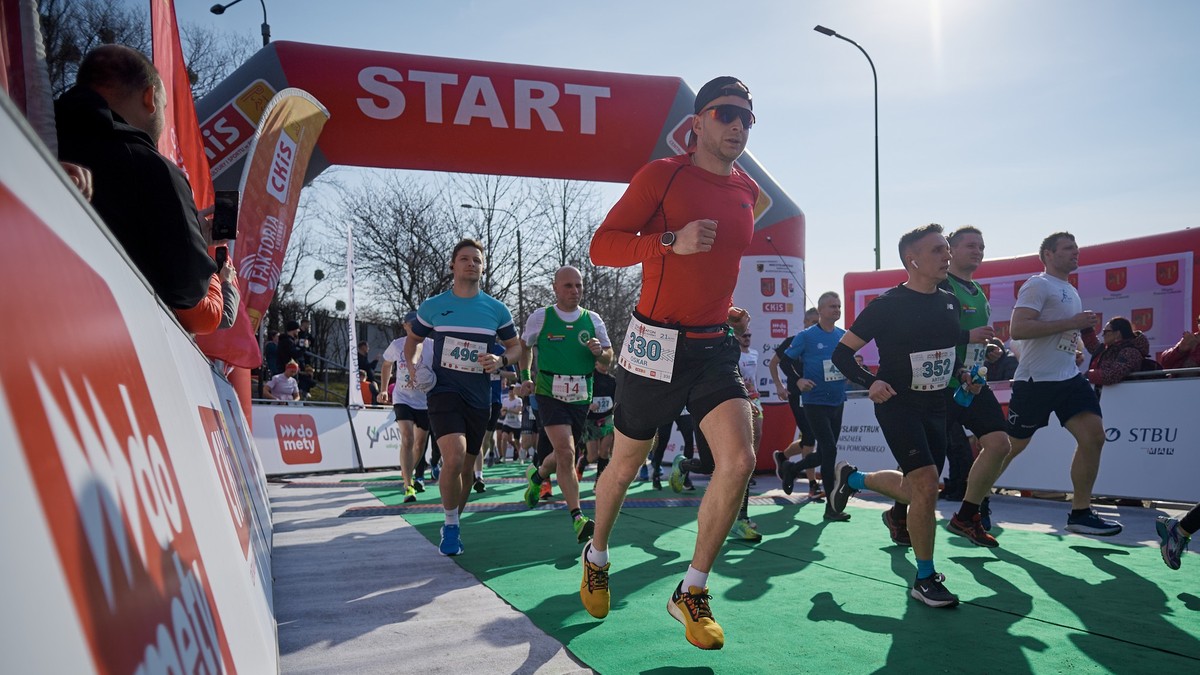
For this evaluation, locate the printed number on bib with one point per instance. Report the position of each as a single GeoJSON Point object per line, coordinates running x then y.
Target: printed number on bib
{"type": "Point", "coordinates": [832, 374]}
{"type": "Point", "coordinates": [649, 351]}
{"type": "Point", "coordinates": [931, 370]}
{"type": "Point", "coordinates": [975, 355]}
{"type": "Point", "coordinates": [462, 355]}
{"type": "Point", "coordinates": [1066, 342]}
{"type": "Point", "coordinates": [603, 403]}
{"type": "Point", "coordinates": [406, 380]}
{"type": "Point", "coordinates": [570, 388]}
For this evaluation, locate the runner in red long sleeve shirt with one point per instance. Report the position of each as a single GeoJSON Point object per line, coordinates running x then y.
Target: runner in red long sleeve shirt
{"type": "Point", "coordinates": [687, 220]}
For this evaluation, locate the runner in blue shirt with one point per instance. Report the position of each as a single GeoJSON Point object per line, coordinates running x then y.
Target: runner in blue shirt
{"type": "Point", "coordinates": [823, 388]}
{"type": "Point", "coordinates": [463, 323]}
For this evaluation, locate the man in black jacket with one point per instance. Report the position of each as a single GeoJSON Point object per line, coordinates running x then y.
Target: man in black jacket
{"type": "Point", "coordinates": [110, 122]}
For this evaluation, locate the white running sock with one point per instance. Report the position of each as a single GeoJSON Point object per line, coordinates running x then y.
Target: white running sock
{"type": "Point", "coordinates": [452, 517]}
{"type": "Point", "coordinates": [596, 556]}
{"type": "Point", "coordinates": [694, 577]}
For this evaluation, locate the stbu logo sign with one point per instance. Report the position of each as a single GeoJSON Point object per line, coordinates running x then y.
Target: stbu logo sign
{"type": "Point", "coordinates": [299, 442]}
{"type": "Point", "coordinates": [1115, 278]}
{"type": "Point", "coordinates": [1167, 273]}
{"type": "Point", "coordinates": [766, 287]}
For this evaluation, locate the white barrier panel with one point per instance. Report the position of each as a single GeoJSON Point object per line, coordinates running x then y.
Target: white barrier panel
{"type": "Point", "coordinates": [303, 439]}
{"type": "Point", "coordinates": [1151, 450]}
{"type": "Point", "coordinates": [378, 436]}
{"type": "Point", "coordinates": [115, 558]}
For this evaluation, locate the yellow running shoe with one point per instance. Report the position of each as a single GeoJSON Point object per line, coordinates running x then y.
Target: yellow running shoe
{"type": "Point", "coordinates": [691, 609]}
{"type": "Point", "coordinates": [593, 590]}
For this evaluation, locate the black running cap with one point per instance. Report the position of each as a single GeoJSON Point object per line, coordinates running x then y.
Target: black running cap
{"type": "Point", "coordinates": [722, 86]}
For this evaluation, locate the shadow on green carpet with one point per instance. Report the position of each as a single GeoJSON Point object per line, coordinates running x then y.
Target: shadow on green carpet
{"type": "Point", "coordinates": [835, 595]}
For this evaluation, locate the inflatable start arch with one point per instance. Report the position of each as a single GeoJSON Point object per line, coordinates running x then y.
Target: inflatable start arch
{"type": "Point", "coordinates": [401, 111]}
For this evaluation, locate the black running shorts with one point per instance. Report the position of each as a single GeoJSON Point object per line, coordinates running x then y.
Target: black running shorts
{"type": "Point", "coordinates": [1032, 402]}
{"type": "Point", "coordinates": [450, 414]}
{"type": "Point", "coordinates": [916, 436]}
{"type": "Point", "coordinates": [405, 412]}
{"type": "Point", "coordinates": [984, 416]}
{"type": "Point", "coordinates": [705, 376]}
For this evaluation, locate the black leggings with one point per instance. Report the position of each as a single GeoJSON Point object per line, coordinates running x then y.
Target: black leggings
{"type": "Point", "coordinates": [1191, 521]}
{"type": "Point", "coordinates": [684, 423]}
{"type": "Point", "coordinates": [826, 424]}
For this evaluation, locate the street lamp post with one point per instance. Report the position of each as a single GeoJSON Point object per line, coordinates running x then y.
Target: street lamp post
{"type": "Point", "coordinates": [520, 262]}
{"type": "Point", "coordinates": [266, 28]}
{"type": "Point", "coordinates": [832, 33]}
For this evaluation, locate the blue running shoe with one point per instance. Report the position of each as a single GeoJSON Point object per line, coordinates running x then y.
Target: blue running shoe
{"type": "Point", "coordinates": [644, 473]}
{"type": "Point", "coordinates": [985, 514]}
{"type": "Point", "coordinates": [1172, 542]}
{"type": "Point", "coordinates": [451, 543]}
{"type": "Point", "coordinates": [435, 472]}
{"type": "Point", "coordinates": [1091, 523]}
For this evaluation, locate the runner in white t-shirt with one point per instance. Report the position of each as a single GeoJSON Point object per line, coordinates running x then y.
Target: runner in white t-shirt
{"type": "Point", "coordinates": [1048, 319]}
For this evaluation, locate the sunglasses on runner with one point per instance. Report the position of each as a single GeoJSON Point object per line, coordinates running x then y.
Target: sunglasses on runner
{"type": "Point", "coordinates": [726, 113]}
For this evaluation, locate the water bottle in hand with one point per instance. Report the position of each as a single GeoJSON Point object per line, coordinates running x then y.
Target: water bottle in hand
{"type": "Point", "coordinates": [962, 395]}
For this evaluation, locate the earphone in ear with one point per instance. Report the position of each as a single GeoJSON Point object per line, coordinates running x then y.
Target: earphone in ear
{"type": "Point", "coordinates": [914, 264]}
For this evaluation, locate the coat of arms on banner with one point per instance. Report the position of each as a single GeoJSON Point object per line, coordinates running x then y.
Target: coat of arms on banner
{"type": "Point", "coordinates": [1115, 278]}
{"type": "Point", "coordinates": [1167, 272]}
{"type": "Point", "coordinates": [1142, 319]}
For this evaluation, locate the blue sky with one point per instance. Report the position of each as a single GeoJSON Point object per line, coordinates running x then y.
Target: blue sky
{"type": "Point", "coordinates": [1021, 117]}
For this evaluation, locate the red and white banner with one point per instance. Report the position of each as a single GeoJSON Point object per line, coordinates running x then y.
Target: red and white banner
{"type": "Point", "coordinates": [303, 438]}
{"type": "Point", "coordinates": [115, 560]}
{"type": "Point", "coordinates": [1149, 280]}
{"type": "Point", "coordinates": [270, 192]}
{"type": "Point", "coordinates": [180, 141]}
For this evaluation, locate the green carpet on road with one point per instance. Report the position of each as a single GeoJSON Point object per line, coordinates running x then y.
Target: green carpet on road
{"type": "Point", "coordinates": [833, 597]}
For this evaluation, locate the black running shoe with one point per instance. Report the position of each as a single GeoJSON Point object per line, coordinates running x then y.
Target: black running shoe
{"type": "Point", "coordinates": [479, 486]}
{"type": "Point", "coordinates": [985, 513]}
{"type": "Point", "coordinates": [781, 463]}
{"type": "Point", "coordinates": [931, 592]}
{"type": "Point", "coordinates": [418, 485]}
{"type": "Point", "coordinates": [841, 486]}
{"type": "Point", "coordinates": [836, 517]}
{"type": "Point", "coordinates": [789, 478]}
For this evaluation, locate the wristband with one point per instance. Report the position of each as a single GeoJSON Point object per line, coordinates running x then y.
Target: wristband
{"type": "Point", "coordinates": [504, 359]}
{"type": "Point", "coordinates": [525, 375]}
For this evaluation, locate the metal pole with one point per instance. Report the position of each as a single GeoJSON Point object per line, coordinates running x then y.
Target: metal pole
{"type": "Point", "coordinates": [875, 79]}
{"type": "Point", "coordinates": [520, 281]}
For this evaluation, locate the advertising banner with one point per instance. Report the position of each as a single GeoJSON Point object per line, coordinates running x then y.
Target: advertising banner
{"type": "Point", "coordinates": [378, 436]}
{"type": "Point", "coordinates": [1149, 450]}
{"type": "Point", "coordinates": [1149, 280]}
{"type": "Point", "coordinates": [270, 191]}
{"type": "Point", "coordinates": [114, 559]}
{"type": "Point", "coordinates": [303, 439]}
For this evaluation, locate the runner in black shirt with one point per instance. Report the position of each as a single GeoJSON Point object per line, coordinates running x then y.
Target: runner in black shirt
{"type": "Point", "coordinates": [915, 326]}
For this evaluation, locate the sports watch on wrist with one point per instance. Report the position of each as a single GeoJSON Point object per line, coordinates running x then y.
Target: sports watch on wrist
{"type": "Point", "coordinates": [667, 239]}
